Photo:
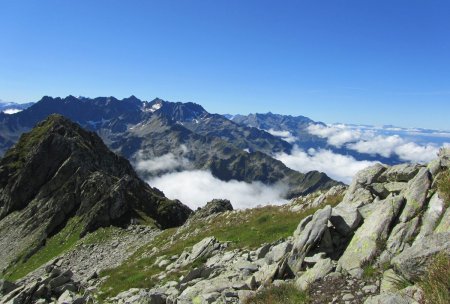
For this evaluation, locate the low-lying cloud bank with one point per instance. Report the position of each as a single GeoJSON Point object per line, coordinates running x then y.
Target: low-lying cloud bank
{"type": "Point", "coordinates": [284, 135]}
{"type": "Point", "coordinates": [337, 166]}
{"type": "Point", "coordinates": [381, 141]}
{"type": "Point", "coordinates": [195, 188]}
{"type": "Point", "coordinates": [162, 164]}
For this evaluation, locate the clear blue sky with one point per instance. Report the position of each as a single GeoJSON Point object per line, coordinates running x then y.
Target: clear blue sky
{"type": "Point", "coordinates": [377, 62]}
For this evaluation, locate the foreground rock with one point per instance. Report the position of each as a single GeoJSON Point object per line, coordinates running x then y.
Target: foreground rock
{"type": "Point", "coordinates": [56, 286]}
{"type": "Point", "coordinates": [412, 262]}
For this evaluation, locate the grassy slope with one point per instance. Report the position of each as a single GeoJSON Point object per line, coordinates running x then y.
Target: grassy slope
{"type": "Point", "coordinates": [54, 246]}
{"type": "Point", "coordinates": [244, 229]}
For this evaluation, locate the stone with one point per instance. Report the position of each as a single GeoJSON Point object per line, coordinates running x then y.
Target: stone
{"type": "Point", "coordinates": [413, 261]}
{"type": "Point", "coordinates": [431, 216]}
{"type": "Point", "coordinates": [212, 207]}
{"type": "Point", "coordinates": [400, 173]}
{"type": "Point", "coordinates": [356, 194]}
{"type": "Point", "coordinates": [315, 258]}
{"type": "Point", "coordinates": [365, 244]}
{"type": "Point", "coordinates": [319, 271]}
{"type": "Point", "coordinates": [444, 224]}
{"type": "Point", "coordinates": [401, 235]}
{"type": "Point", "coordinates": [348, 297]}
{"type": "Point", "coordinates": [66, 297]}
{"type": "Point", "coordinates": [434, 167]}
{"type": "Point", "coordinates": [210, 297]}
{"type": "Point", "coordinates": [203, 248]}
{"type": "Point", "coordinates": [58, 281]}
{"type": "Point", "coordinates": [444, 157]}
{"type": "Point", "coordinates": [277, 252]}
{"type": "Point", "coordinates": [358, 198]}
{"type": "Point", "coordinates": [390, 298]}
{"type": "Point", "coordinates": [6, 287]}
{"type": "Point", "coordinates": [379, 190]}
{"type": "Point", "coordinates": [389, 281]}
{"type": "Point", "coordinates": [370, 289]}
{"type": "Point", "coordinates": [265, 274]}
{"type": "Point", "coordinates": [244, 295]}
{"type": "Point", "coordinates": [246, 266]}
{"type": "Point", "coordinates": [395, 187]}
{"type": "Point", "coordinates": [262, 251]}
{"type": "Point", "coordinates": [416, 195]}
{"type": "Point", "coordinates": [345, 219]}
{"type": "Point", "coordinates": [308, 236]}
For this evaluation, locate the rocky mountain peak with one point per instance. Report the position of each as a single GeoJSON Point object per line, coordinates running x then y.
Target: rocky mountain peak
{"type": "Point", "coordinates": [58, 172]}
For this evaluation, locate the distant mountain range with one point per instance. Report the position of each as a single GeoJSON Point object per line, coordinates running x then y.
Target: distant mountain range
{"type": "Point", "coordinates": [193, 139]}
{"type": "Point", "coordinates": [294, 129]}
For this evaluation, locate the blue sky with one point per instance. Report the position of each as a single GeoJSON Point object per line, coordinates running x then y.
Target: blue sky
{"type": "Point", "coordinates": [374, 62]}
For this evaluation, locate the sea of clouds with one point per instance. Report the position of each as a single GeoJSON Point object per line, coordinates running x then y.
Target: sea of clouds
{"type": "Point", "coordinates": [178, 180]}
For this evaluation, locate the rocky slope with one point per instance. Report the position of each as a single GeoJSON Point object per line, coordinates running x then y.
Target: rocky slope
{"type": "Point", "coordinates": [379, 238]}
{"type": "Point", "coordinates": [58, 174]}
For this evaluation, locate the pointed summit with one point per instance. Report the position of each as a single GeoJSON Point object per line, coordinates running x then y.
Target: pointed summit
{"type": "Point", "coordinates": [58, 172]}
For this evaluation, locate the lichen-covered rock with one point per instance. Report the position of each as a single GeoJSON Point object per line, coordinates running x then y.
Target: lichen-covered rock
{"type": "Point", "coordinates": [400, 173]}
{"type": "Point", "coordinates": [204, 248]}
{"type": "Point", "coordinates": [308, 234]}
{"type": "Point", "coordinates": [319, 271]}
{"type": "Point", "coordinates": [401, 235]}
{"type": "Point", "coordinates": [390, 281]}
{"type": "Point", "coordinates": [431, 216]}
{"type": "Point", "coordinates": [345, 219]}
{"type": "Point", "coordinates": [444, 224]}
{"type": "Point", "coordinates": [365, 244]}
{"type": "Point", "coordinates": [416, 195]}
{"type": "Point", "coordinates": [412, 262]}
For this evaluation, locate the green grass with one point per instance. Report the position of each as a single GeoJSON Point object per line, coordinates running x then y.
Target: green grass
{"type": "Point", "coordinates": [101, 235]}
{"type": "Point", "coordinates": [246, 229]}
{"type": "Point", "coordinates": [443, 186]}
{"type": "Point", "coordinates": [369, 272]}
{"type": "Point", "coordinates": [54, 246]}
{"type": "Point", "coordinates": [436, 282]}
{"type": "Point", "coordinates": [285, 293]}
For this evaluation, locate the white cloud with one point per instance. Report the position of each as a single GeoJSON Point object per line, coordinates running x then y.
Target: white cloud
{"type": "Point", "coordinates": [196, 188]}
{"type": "Point", "coordinates": [336, 135]}
{"type": "Point", "coordinates": [285, 135]}
{"type": "Point", "coordinates": [382, 145]}
{"type": "Point", "coordinates": [12, 111]}
{"type": "Point", "coordinates": [337, 166]}
{"type": "Point", "coordinates": [372, 141]}
{"type": "Point", "coordinates": [165, 163]}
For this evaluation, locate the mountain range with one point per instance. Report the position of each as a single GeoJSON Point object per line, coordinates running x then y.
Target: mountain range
{"type": "Point", "coordinates": [141, 131]}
